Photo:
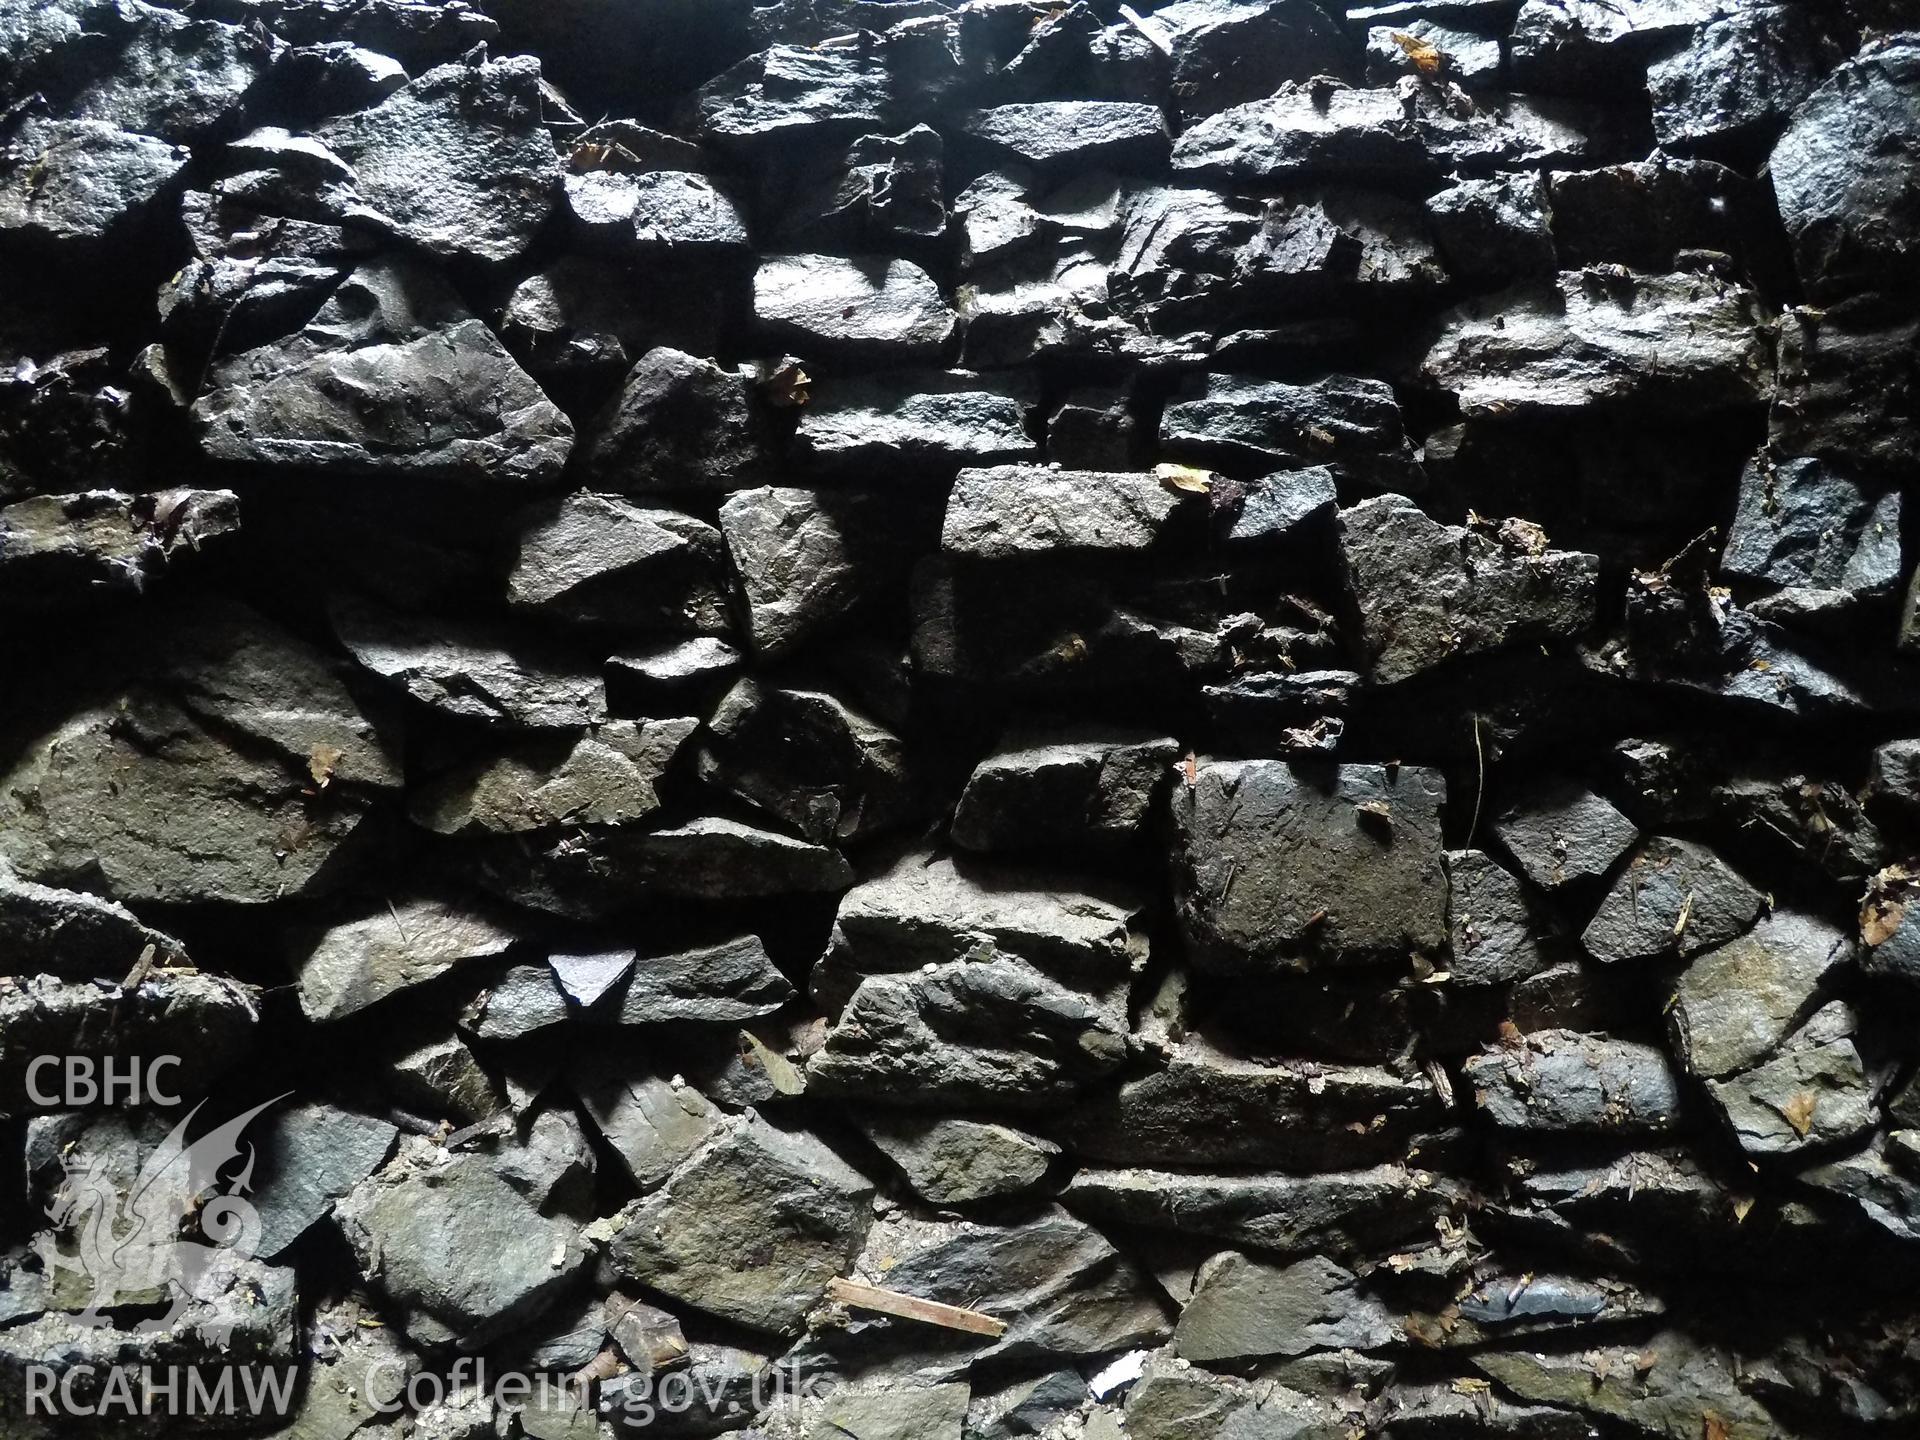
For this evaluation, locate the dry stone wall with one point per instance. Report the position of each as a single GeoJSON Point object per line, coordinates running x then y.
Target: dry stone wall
{"type": "Point", "coordinates": [923, 720]}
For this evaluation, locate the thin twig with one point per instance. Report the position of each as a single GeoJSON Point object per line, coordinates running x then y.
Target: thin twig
{"type": "Point", "coordinates": [912, 1307]}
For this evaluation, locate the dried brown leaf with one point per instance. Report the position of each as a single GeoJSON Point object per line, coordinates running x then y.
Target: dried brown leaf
{"type": "Point", "coordinates": [1799, 1112]}
{"type": "Point", "coordinates": [1426, 57]}
{"type": "Point", "coordinates": [1185, 479]}
{"type": "Point", "coordinates": [322, 763]}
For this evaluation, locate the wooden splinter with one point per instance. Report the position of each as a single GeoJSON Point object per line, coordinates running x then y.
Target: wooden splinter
{"type": "Point", "coordinates": [912, 1307]}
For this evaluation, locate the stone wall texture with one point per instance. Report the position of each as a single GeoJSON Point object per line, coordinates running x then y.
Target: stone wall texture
{"type": "Point", "coordinates": [962, 719]}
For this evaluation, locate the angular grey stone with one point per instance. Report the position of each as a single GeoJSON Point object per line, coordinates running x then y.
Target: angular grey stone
{"type": "Point", "coordinates": [1066, 135]}
{"type": "Point", "coordinates": [1496, 938]}
{"type": "Point", "coordinates": [76, 550]}
{"type": "Point", "coordinates": [598, 560]}
{"type": "Point", "coordinates": [719, 984]}
{"type": "Point", "coordinates": [1880, 1180]}
{"type": "Point", "coordinates": [922, 423]}
{"type": "Point", "coordinates": [649, 1337]}
{"type": "Point", "coordinates": [418, 1227]}
{"type": "Point", "coordinates": [1560, 832]}
{"type": "Point", "coordinates": [871, 308]}
{"type": "Point", "coordinates": [680, 422]}
{"type": "Point", "coordinates": [1349, 424]}
{"type": "Point", "coordinates": [1844, 176]}
{"type": "Point", "coordinates": [1674, 898]}
{"type": "Point", "coordinates": [1561, 1080]}
{"type": "Point", "coordinates": [1025, 1407]}
{"type": "Point", "coordinates": [1649, 214]}
{"type": "Point", "coordinates": [741, 1071]}
{"type": "Point", "coordinates": [1339, 1212]}
{"type": "Point", "coordinates": [886, 1412]}
{"type": "Point", "coordinates": [1011, 511]}
{"type": "Point", "coordinates": [985, 1030]}
{"type": "Point", "coordinates": [1662, 1210]}
{"type": "Point", "coordinates": [526, 1000]}
{"type": "Point", "coordinates": [1817, 823]}
{"type": "Point", "coordinates": [46, 931]}
{"type": "Point", "coordinates": [206, 1021]}
{"type": "Point", "coordinates": [750, 1228]}
{"type": "Point", "coordinates": [65, 424]}
{"type": "Point", "coordinates": [1063, 1289]}
{"type": "Point", "coordinates": [794, 94]}
{"type": "Point", "coordinates": [1285, 506]}
{"type": "Point", "coordinates": [1466, 57]}
{"type": "Point", "coordinates": [1177, 1401]}
{"type": "Point", "coordinates": [1687, 1389]}
{"type": "Point", "coordinates": [721, 1383]}
{"type": "Point", "coordinates": [1428, 592]}
{"type": "Point", "coordinates": [958, 1162]}
{"type": "Point", "coordinates": [589, 874]}
{"type": "Point", "coordinates": [1304, 132]}
{"type": "Point", "coordinates": [1588, 46]}
{"type": "Point", "coordinates": [585, 978]}
{"type": "Point", "coordinates": [589, 316]}
{"type": "Point", "coordinates": [180, 77]}
{"type": "Point", "coordinates": [1841, 378]}
{"type": "Point", "coordinates": [885, 188]}
{"type": "Point", "coordinates": [1890, 925]}
{"type": "Point", "coordinates": [355, 963]}
{"type": "Point", "coordinates": [1080, 788]}
{"type": "Point", "coordinates": [1227, 52]}
{"type": "Point", "coordinates": [1679, 342]}
{"type": "Point", "coordinates": [225, 762]}
{"type": "Point", "coordinates": [83, 185]}
{"type": "Point", "coordinates": [458, 162]}
{"type": "Point", "coordinates": [1893, 779]}
{"type": "Point", "coordinates": [368, 1366]}
{"type": "Point", "coordinates": [1208, 1105]}
{"type": "Point", "coordinates": [554, 1165]}
{"type": "Point", "coordinates": [1570, 995]}
{"type": "Point", "coordinates": [1812, 1094]}
{"type": "Point", "coordinates": [1297, 710]}
{"type": "Point", "coordinates": [1051, 301]}
{"type": "Point", "coordinates": [1439, 1411]}
{"type": "Point", "coordinates": [393, 377]}
{"type": "Point", "coordinates": [1281, 865]}
{"type": "Point", "coordinates": [928, 911]}
{"type": "Point", "coordinates": [808, 758]}
{"type": "Point", "coordinates": [1494, 228]}
{"type": "Point", "coordinates": [1801, 523]}
{"type": "Point", "coordinates": [1736, 81]}
{"type": "Point", "coordinates": [241, 1315]}
{"type": "Point", "coordinates": [310, 1156]}
{"type": "Point", "coordinates": [1192, 259]}
{"type": "Point", "coordinates": [606, 776]}
{"type": "Point", "coordinates": [652, 1124]}
{"type": "Point", "coordinates": [674, 668]}
{"type": "Point", "coordinates": [657, 213]}
{"type": "Point", "coordinates": [1241, 1309]}
{"type": "Point", "coordinates": [474, 672]}
{"type": "Point", "coordinates": [1094, 430]}
{"type": "Point", "coordinates": [1732, 1006]}
{"type": "Point", "coordinates": [1532, 1304]}
{"type": "Point", "coordinates": [807, 558]}
{"type": "Point", "coordinates": [445, 1079]}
